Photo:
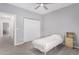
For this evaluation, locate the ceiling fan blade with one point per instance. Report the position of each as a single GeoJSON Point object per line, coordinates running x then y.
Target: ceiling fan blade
{"type": "Point", "coordinates": [37, 7]}
{"type": "Point", "coordinates": [45, 7]}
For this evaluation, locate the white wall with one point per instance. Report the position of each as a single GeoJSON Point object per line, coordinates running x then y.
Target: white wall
{"type": "Point", "coordinates": [62, 21]}
{"type": "Point", "coordinates": [20, 14]}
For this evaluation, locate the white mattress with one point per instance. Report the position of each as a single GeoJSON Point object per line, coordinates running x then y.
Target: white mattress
{"type": "Point", "coordinates": [45, 44]}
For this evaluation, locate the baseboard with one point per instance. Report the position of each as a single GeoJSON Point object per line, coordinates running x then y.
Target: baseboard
{"type": "Point", "coordinates": [76, 47]}
{"type": "Point", "coordinates": [19, 43]}
{"type": "Point", "coordinates": [28, 41]}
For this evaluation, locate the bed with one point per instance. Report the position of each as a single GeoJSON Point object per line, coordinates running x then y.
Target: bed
{"type": "Point", "coordinates": [47, 43]}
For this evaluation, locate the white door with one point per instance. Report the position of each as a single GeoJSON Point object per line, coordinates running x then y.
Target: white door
{"type": "Point", "coordinates": [31, 29]}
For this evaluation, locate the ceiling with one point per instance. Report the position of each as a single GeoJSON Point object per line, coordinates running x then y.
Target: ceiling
{"type": "Point", "coordinates": [51, 7]}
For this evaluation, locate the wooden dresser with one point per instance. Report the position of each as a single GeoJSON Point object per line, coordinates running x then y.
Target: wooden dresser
{"type": "Point", "coordinates": [69, 39]}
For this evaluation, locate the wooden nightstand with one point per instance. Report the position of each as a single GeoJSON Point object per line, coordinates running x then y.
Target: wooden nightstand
{"type": "Point", "coordinates": [69, 40]}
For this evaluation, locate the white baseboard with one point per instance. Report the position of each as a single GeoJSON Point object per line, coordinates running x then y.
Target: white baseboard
{"type": "Point", "coordinates": [19, 43]}
{"type": "Point", "coordinates": [76, 46]}
{"type": "Point", "coordinates": [28, 41]}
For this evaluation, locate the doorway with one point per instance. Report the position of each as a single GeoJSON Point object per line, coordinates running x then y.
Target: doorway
{"type": "Point", "coordinates": [7, 30]}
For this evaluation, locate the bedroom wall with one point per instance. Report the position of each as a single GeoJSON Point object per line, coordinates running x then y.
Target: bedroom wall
{"type": "Point", "coordinates": [20, 14]}
{"type": "Point", "coordinates": [62, 21]}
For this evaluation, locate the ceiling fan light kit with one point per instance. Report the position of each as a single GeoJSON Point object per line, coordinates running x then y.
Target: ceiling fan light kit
{"type": "Point", "coordinates": [41, 5]}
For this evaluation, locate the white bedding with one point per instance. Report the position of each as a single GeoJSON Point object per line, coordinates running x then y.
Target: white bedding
{"type": "Point", "coordinates": [47, 43]}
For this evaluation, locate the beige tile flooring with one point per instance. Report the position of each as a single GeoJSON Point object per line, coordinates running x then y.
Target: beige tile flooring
{"type": "Point", "coordinates": [7, 48]}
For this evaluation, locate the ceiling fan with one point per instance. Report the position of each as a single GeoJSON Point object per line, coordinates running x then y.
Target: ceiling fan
{"type": "Point", "coordinates": [41, 5]}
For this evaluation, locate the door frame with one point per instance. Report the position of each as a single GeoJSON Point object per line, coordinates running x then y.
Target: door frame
{"type": "Point", "coordinates": [14, 24]}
